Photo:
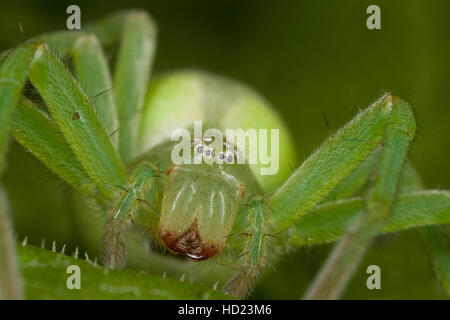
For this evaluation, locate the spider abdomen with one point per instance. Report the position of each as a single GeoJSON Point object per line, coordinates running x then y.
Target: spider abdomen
{"type": "Point", "coordinates": [178, 99]}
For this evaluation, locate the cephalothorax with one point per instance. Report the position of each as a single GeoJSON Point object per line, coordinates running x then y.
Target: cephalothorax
{"type": "Point", "coordinates": [115, 146]}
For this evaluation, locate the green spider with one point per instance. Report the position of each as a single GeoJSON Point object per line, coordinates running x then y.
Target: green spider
{"type": "Point", "coordinates": [114, 148]}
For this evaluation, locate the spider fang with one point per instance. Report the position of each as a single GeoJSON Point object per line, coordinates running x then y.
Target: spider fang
{"type": "Point", "coordinates": [189, 243]}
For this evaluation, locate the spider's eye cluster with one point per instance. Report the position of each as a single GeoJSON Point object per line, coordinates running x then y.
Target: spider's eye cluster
{"type": "Point", "coordinates": [208, 148]}
{"type": "Point", "coordinates": [227, 156]}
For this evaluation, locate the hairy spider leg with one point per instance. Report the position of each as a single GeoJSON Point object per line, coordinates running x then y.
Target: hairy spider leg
{"type": "Point", "coordinates": [255, 254]}
{"type": "Point", "coordinates": [348, 252]}
{"type": "Point", "coordinates": [123, 211]}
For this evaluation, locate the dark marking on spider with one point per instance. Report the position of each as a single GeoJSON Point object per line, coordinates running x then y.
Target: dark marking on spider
{"type": "Point", "coordinates": [76, 116]}
{"type": "Point", "coordinates": [241, 190]}
{"type": "Point", "coordinates": [189, 243]}
{"type": "Point", "coordinates": [170, 169]}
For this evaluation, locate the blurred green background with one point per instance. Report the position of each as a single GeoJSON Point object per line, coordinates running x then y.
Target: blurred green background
{"type": "Point", "coordinates": [304, 57]}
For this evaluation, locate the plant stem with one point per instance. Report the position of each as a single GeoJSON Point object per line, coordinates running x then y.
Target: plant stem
{"type": "Point", "coordinates": [10, 287]}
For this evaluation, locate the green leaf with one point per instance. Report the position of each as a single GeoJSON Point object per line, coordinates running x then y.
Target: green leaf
{"type": "Point", "coordinates": [44, 276]}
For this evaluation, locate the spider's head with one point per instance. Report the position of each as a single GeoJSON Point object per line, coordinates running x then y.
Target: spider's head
{"type": "Point", "coordinates": [198, 210]}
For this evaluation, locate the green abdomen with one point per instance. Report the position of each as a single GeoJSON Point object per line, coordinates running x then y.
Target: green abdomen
{"type": "Point", "coordinates": [178, 99]}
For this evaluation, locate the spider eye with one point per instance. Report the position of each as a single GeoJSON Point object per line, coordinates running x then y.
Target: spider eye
{"type": "Point", "coordinates": [199, 148]}
{"type": "Point", "coordinates": [229, 157]}
{"type": "Point", "coordinates": [208, 153]}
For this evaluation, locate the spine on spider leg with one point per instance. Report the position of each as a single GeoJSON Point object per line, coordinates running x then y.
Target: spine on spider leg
{"type": "Point", "coordinates": [348, 252]}
{"type": "Point", "coordinates": [10, 286]}
{"type": "Point", "coordinates": [254, 257]}
{"type": "Point", "coordinates": [123, 211]}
